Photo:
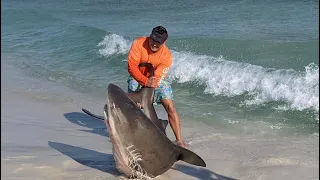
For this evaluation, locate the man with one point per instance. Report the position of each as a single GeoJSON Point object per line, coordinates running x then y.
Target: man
{"type": "Point", "coordinates": [153, 50]}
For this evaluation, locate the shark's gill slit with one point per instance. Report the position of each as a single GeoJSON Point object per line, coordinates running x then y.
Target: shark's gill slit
{"type": "Point", "coordinates": [134, 158]}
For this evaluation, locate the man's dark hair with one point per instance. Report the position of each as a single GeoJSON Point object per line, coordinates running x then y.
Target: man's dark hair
{"type": "Point", "coordinates": [160, 29]}
{"type": "Point", "coordinates": [159, 34]}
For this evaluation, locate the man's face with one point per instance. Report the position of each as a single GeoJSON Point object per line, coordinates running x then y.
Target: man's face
{"type": "Point", "coordinates": [154, 45]}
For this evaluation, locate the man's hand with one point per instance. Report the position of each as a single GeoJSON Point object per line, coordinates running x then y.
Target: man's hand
{"type": "Point", "coordinates": [152, 82]}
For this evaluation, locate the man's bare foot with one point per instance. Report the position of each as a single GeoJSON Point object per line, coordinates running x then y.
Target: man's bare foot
{"type": "Point", "coordinates": [182, 144]}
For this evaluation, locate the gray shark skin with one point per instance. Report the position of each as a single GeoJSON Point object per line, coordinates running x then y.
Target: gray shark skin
{"type": "Point", "coordinates": [145, 98]}
{"type": "Point", "coordinates": [140, 148]}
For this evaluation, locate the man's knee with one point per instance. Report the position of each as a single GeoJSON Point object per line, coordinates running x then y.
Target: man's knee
{"type": "Point", "coordinates": [168, 105]}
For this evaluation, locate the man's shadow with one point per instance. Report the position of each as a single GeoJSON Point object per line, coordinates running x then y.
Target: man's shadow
{"type": "Point", "coordinates": [200, 173]}
{"type": "Point", "coordinates": [100, 161]}
{"type": "Point", "coordinates": [97, 126]}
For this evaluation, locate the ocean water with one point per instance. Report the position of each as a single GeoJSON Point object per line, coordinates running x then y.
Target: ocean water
{"type": "Point", "coordinates": [246, 66]}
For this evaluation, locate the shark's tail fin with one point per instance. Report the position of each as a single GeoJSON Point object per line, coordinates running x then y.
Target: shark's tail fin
{"type": "Point", "coordinates": [190, 157]}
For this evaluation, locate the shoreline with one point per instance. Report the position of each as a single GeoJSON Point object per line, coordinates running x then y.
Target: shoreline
{"type": "Point", "coordinates": [45, 135]}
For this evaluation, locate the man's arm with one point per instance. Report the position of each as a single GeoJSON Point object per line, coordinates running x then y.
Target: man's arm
{"type": "Point", "coordinates": [162, 70]}
{"type": "Point", "coordinates": [133, 63]}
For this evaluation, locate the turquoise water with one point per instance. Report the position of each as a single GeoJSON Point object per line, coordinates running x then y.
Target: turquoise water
{"type": "Point", "coordinates": [237, 64]}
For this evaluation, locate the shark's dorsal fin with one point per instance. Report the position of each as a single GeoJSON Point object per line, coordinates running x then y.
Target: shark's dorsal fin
{"type": "Point", "coordinates": [136, 96]}
{"type": "Point", "coordinates": [190, 157]}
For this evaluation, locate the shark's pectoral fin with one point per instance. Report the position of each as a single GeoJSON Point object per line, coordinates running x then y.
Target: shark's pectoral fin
{"type": "Point", "coordinates": [164, 124]}
{"type": "Point", "coordinates": [190, 157]}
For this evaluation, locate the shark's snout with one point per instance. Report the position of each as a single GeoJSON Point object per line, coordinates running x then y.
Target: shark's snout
{"type": "Point", "coordinates": [115, 94]}
{"type": "Point", "coordinates": [113, 89]}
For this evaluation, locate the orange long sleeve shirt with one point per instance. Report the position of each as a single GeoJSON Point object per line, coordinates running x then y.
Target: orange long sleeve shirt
{"type": "Point", "coordinates": [140, 52]}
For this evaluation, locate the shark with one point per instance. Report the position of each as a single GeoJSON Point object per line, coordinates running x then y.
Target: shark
{"type": "Point", "coordinates": [140, 148]}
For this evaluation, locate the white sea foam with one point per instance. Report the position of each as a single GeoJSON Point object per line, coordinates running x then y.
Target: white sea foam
{"type": "Point", "coordinates": [299, 90]}
{"type": "Point", "coordinates": [221, 77]}
{"type": "Point", "coordinates": [113, 44]}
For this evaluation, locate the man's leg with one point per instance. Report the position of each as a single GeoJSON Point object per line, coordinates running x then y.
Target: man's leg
{"type": "Point", "coordinates": [174, 120]}
{"type": "Point", "coordinates": [165, 95]}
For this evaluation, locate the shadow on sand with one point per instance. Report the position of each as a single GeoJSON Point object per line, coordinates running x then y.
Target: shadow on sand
{"type": "Point", "coordinates": [96, 126]}
{"type": "Point", "coordinates": [100, 161]}
{"type": "Point", "coordinates": [105, 162]}
{"type": "Point", "coordinates": [200, 173]}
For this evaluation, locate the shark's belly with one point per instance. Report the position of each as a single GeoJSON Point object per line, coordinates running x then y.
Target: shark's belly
{"type": "Point", "coordinates": [150, 155]}
{"type": "Point", "coordinates": [158, 164]}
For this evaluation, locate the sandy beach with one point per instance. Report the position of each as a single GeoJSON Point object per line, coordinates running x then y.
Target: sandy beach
{"type": "Point", "coordinates": [244, 74]}
{"type": "Point", "coordinates": [45, 135]}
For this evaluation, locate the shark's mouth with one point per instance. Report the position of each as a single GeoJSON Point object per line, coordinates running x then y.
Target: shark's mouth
{"type": "Point", "coordinates": [126, 158]}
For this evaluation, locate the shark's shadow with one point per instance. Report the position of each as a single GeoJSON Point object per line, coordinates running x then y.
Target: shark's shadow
{"type": "Point", "coordinates": [200, 173]}
{"type": "Point", "coordinates": [96, 126]}
{"type": "Point", "coordinates": [100, 161]}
